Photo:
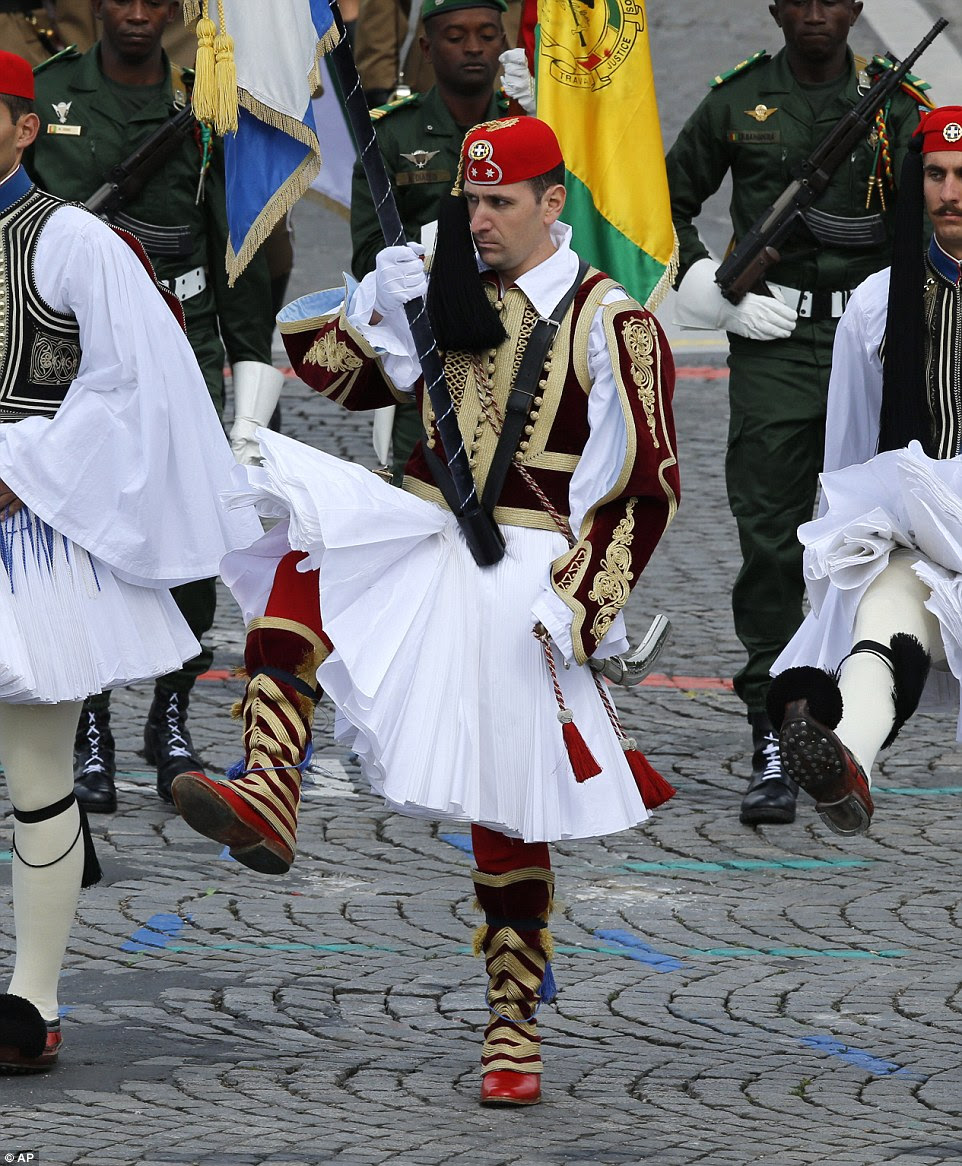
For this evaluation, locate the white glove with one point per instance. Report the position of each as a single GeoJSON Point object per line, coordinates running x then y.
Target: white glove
{"type": "Point", "coordinates": [700, 304]}
{"type": "Point", "coordinates": [399, 277]}
{"type": "Point", "coordinates": [257, 388]}
{"type": "Point", "coordinates": [516, 81]}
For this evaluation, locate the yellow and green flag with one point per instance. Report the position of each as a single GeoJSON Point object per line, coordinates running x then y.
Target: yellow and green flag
{"type": "Point", "coordinates": [595, 88]}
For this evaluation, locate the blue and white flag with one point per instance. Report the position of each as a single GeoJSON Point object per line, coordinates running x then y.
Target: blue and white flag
{"type": "Point", "coordinates": [274, 156]}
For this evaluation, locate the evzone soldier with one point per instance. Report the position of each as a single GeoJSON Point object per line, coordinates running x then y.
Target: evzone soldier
{"type": "Point", "coordinates": [464, 690]}
{"type": "Point", "coordinates": [884, 559]}
{"type": "Point", "coordinates": [106, 429]}
{"type": "Point", "coordinates": [760, 122]}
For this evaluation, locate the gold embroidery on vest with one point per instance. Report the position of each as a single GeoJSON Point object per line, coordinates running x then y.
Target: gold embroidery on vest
{"type": "Point", "coordinates": [330, 353]}
{"type": "Point", "coordinates": [612, 585]}
{"type": "Point", "coordinates": [639, 340]}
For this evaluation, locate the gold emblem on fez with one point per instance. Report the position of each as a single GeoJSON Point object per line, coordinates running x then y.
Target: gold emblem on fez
{"type": "Point", "coordinates": [478, 151]}
{"type": "Point", "coordinates": [420, 158]}
{"type": "Point", "coordinates": [761, 112]}
{"type": "Point", "coordinates": [952, 132]}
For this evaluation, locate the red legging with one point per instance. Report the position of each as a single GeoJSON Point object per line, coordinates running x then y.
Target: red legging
{"type": "Point", "coordinates": [495, 853]}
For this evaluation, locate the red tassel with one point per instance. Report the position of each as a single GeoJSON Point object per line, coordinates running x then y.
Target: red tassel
{"type": "Point", "coordinates": [654, 790]}
{"type": "Point", "coordinates": [580, 756]}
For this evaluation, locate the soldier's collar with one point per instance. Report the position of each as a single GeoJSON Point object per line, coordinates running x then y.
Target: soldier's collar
{"type": "Point", "coordinates": [90, 76]}
{"type": "Point", "coordinates": [949, 268]}
{"type": "Point", "coordinates": [14, 188]}
{"type": "Point", "coordinates": [781, 79]}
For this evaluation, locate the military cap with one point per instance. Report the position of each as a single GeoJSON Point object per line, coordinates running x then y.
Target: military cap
{"type": "Point", "coordinates": [16, 76]}
{"type": "Point", "coordinates": [431, 8]}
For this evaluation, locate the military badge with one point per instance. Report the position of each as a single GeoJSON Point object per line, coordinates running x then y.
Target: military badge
{"type": "Point", "coordinates": [420, 158]}
{"type": "Point", "coordinates": [761, 113]}
{"type": "Point", "coordinates": [952, 132]}
{"type": "Point", "coordinates": [61, 109]}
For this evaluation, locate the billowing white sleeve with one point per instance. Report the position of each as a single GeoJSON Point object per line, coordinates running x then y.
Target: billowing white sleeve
{"type": "Point", "coordinates": [855, 385]}
{"type": "Point", "coordinates": [594, 477]}
{"type": "Point", "coordinates": [133, 464]}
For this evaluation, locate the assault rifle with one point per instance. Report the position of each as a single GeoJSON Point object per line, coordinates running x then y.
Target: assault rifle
{"type": "Point", "coordinates": [745, 268]}
{"type": "Point", "coordinates": [129, 177]}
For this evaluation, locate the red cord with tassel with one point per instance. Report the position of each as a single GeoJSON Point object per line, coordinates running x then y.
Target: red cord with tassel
{"type": "Point", "coordinates": [654, 789]}
{"type": "Point", "coordinates": [582, 759]}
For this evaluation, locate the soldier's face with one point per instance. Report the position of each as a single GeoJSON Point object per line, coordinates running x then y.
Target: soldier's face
{"type": "Point", "coordinates": [511, 227]}
{"type": "Point", "coordinates": [815, 28]}
{"type": "Point", "coordinates": [133, 28]}
{"type": "Point", "coordinates": [942, 185]}
{"type": "Point", "coordinates": [15, 136]}
{"type": "Point", "coordinates": [464, 46]}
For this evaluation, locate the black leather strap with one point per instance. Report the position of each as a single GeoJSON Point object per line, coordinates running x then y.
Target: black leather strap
{"type": "Point", "coordinates": [524, 390]}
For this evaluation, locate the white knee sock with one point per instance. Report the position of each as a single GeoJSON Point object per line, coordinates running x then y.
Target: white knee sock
{"type": "Point", "coordinates": [893, 603]}
{"type": "Point", "coordinates": [36, 749]}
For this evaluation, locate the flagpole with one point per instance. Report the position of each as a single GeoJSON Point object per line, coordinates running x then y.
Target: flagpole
{"type": "Point", "coordinates": [480, 531]}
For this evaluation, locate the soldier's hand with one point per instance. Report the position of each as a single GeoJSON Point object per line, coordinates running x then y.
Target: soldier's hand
{"type": "Point", "coordinates": [700, 304]}
{"type": "Point", "coordinates": [9, 502]}
{"type": "Point", "coordinates": [517, 82]}
{"type": "Point", "coordinates": [399, 277]}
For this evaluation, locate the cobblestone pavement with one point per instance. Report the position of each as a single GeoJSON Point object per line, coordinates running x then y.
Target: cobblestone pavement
{"type": "Point", "coordinates": [728, 995]}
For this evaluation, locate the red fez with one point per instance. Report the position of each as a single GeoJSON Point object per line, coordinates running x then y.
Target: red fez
{"type": "Point", "coordinates": [498, 153]}
{"type": "Point", "coordinates": [16, 76]}
{"type": "Point", "coordinates": [941, 129]}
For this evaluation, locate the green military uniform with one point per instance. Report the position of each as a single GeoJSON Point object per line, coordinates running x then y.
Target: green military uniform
{"type": "Point", "coordinates": [420, 143]}
{"type": "Point", "coordinates": [88, 125]}
{"type": "Point", "coordinates": [759, 123]}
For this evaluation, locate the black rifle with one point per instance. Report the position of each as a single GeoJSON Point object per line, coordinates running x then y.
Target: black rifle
{"type": "Point", "coordinates": [745, 268]}
{"type": "Point", "coordinates": [129, 177]}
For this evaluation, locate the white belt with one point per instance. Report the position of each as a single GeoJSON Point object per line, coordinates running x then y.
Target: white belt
{"type": "Point", "coordinates": [188, 285]}
{"type": "Point", "coordinates": [803, 301]}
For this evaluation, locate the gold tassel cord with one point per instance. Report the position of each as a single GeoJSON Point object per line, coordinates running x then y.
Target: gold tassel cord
{"type": "Point", "coordinates": [225, 78]}
{"type": "Point", "coordinates": [204, 99]}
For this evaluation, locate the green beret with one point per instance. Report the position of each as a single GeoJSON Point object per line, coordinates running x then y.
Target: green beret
{"type": "Point", "coordinates": [436, 7]}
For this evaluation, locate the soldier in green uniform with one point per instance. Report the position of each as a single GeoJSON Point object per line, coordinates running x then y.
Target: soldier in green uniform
{"type": "Point", "coordinates": [759, 121]}
{"type": "Point", "coordinates": [420, 139]}
{"type": "Point", "coordinates": [95, 108]}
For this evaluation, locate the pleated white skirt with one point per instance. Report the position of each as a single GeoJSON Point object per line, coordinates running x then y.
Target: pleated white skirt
{"type": "Point", "coordinates": [69, 627]}
{"type": "Point", "coordinates": [440, 687]}
{"type": "Point", "coordinates": [898, 499]}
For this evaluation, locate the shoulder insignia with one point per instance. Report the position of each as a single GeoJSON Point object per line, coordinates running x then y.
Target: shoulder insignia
{"type": "Point", "coordinates": [391, 106]}
{"type": "Point", "coordinates": [68, 54]}
{"type": "Point", "coordinates": [742, 67]}
{"type": "Point", "coordinates": [914, 86]}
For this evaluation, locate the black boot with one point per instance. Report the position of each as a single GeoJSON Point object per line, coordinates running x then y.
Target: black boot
{"type": "Point", "coordinates": [167, 742]}
{"type": "Point", "coordinates": [770, 798]}
{"type": "Point", "coordinates": [94, 768]}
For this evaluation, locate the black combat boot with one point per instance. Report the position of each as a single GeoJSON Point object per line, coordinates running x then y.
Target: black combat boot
{"type": "Point", "coordinates": [94, 768]}
{"type": "Point", "coordinates": [167, 742]}
{"type": "Point", "coordinates": [770, 798]}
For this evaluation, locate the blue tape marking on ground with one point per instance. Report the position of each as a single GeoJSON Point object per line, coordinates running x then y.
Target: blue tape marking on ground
{"type": "Point", "coordinates": [799, 952]}
{"type": "Point", "coordinates": [6, 855]}
{"type": "Point", "coordinates": [749, 864]}
{"type": "Point", "coordinates": [927, 792]}
{"type": "Point", "coordinates": [226, 855]}
{"type": "Point", "coordinates": [461, 841]}
{"type": "Point", "coordinates": [631, 946]}
{"type": "Point", "coordinates": [860, 1059]}
{"type": "Point", "coordinates": [158, 931]}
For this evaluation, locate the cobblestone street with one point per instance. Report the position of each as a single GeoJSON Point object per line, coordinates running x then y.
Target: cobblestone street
{"type": "Point", "coordinates": [728, 996]}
